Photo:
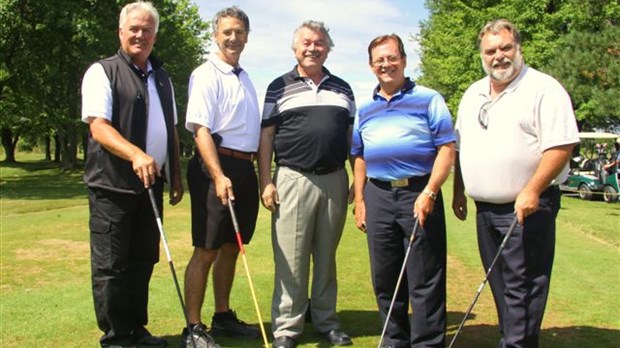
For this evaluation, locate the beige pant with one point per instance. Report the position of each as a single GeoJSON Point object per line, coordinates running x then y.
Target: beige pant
{"type": "Point", "coordinates": [309, 221]}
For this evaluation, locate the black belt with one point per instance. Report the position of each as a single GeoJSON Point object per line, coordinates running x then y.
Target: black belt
{"type": "Point", "coordinates": [399, 183]}
{"type": "Point", "coordinates": [320, 170]}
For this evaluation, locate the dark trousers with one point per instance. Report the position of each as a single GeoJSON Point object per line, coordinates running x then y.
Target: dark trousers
{"type": "Point", "coordinates": [520, 279]}
{"type": "Point", "coordinates": [389, 222]}
{"type": "Point", "coordinates": [124, 243]}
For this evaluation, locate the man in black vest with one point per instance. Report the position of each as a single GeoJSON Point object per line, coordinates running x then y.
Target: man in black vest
{"type": "Point", "coordinates": [128, 101]}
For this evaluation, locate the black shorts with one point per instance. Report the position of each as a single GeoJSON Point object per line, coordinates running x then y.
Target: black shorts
{"type": "Point", "coordinates": [211, 221]}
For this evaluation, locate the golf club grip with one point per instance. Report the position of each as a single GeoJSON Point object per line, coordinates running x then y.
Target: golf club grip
{"type": "Point", "coordinates": [233, 215]}
{"type": "Point", "coordinates": [153, 202]}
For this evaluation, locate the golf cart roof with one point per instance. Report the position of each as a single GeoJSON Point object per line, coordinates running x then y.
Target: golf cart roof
{"type": "Point", "coordinates": [597, 135]}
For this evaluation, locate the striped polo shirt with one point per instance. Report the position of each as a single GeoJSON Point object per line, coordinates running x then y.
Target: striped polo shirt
{"type": "Point", "coordinates": [311, 121]}
{"type": "Point", "coordinates": [399, 138]}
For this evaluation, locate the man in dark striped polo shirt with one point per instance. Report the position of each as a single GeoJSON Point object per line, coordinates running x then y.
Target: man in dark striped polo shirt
{"type": "Point", "coordinates": [307, 121]}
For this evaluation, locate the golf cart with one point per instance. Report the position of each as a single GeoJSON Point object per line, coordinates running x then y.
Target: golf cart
{"type": "Point", "coordinates": [587, 175]}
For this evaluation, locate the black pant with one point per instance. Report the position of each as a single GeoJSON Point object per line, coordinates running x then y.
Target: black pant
{"type": "Point", "coordinates": [124, 243]}
{"type": "Point", "coordinates": [520, 279]}
{"type": "Point", "coordinates": [389, 221]}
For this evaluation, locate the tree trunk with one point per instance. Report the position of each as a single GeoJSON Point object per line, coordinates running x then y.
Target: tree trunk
{"type": "Point", "coordinates": [56, 148]}
{"type": "Point", "coordinates": [48, 145]}
{"type": "Point", "coordinates": [85, 145]}
{"type": "Point", "coordinates": [9, 144]}
{"type": "Point", "coordinates": [69, 150]}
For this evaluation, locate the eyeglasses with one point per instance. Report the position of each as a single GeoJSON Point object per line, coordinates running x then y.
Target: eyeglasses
{"type": "Point", "coordinates": [483, 114]}
{"type": "Point", "coordinates": [383, 60]}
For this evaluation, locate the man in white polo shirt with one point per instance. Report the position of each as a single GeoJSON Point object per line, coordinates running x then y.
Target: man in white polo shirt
{"type": "Point", "coordinates": [223, 114]}
{"type": "Point", "coordinates": [515, 133]}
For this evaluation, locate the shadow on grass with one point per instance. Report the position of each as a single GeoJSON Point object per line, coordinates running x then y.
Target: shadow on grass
{"type": "Point", "coordinates": [360, 323]}
{"type": "Point", "coordinates": [40, 180]}
{"type": "Point", "coordinates": [556, 337]}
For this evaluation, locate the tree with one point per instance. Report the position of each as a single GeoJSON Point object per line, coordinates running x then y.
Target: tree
{"type": "Point", "coordinates": [47, 46]}
{"type": "Point", "coordinates": [450, 59]}
{"type": "Point", "coordinates": [588, 65]}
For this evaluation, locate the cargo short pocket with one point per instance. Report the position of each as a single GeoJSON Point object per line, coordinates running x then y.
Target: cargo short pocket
{"type": "Point", "coordinates": [105, 244]}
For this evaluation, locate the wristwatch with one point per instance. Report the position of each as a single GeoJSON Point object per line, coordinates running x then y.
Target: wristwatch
{"type": "Point", "coordinates": [430, 193]}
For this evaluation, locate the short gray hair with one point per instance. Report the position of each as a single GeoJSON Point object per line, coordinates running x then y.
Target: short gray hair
{"type": "Point", "coordinates": [142, 6]}
{"type": "Point", "coordinates": [233, 11]}
{"type": "Point", "coordinates": [498, 25]}
{"type": "Point", "coordinates": [315, 26]}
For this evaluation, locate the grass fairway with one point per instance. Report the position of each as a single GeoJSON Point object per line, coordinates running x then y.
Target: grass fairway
{"type": "Point", "coordinates": [45, 296]}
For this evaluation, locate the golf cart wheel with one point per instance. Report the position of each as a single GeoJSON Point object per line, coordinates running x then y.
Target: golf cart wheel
{"type": "Point", "coordinates": [610, 195]}
{"type": "Point", "coordinates": [585, 192]}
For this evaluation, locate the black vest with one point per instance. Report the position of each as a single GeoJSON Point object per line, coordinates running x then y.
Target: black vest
{"type": "Point", "coordinates": [129, 117]}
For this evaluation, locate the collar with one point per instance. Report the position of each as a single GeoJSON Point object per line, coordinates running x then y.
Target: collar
{"type": "Point", "coordinates": [151, 65]}
{"type": "Point", "coordinates": [294, 74]}
{"type": "Point", "coordinates": [483, 88]}
{"type": "Point", "coordinates": [152, 62]}
{"type": "Point", "coordinates": [221, 65]}
{"type": "Point", "coordinates": [407, 86]}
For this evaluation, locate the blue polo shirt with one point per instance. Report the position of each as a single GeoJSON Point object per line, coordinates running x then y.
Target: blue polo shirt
{"type": "Point", "coordinates": [399, 138]}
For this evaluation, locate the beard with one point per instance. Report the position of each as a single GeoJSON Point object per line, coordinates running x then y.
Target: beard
{"type": "Point", "coordinates": [504, 75]}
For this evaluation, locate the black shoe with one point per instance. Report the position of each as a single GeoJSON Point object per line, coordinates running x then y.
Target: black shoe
{"type": "Point", "coordinates": [338, 338]}
{"type": "Point", "coordinates": [227, 324]}
{"type": "Point", "coordinates": [105, 345]}
{"type": "Point", "coordinates": [143, 338]}
{"type": "Point", "coordinates": [284, 342]}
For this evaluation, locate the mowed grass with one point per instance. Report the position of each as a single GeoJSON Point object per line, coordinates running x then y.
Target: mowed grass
{"type": "Point", "coordinates": [45, 295]}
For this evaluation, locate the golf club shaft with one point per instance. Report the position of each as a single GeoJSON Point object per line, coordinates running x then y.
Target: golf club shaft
{"type": "Point", "coordinates": [486, 278]}
{"type": "Point", "coordinates": [400, 278]}
{"type": "Point", "coordinates": [160, 225]}
{"type": "Point", "coordinates": [247, 271]}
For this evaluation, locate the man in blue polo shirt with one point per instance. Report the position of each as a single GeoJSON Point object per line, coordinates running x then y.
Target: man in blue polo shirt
{"type": "Point", "coordinates": [403, 149]}
{"type": "Point", "coordinates": [307, 122]}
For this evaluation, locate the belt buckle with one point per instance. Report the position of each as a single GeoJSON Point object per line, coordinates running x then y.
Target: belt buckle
{"type": "Point", "coordinates": [399, 183]}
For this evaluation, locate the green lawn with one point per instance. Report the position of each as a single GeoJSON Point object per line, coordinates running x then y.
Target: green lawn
{"type": "Point", "coordinates": [45, 298]}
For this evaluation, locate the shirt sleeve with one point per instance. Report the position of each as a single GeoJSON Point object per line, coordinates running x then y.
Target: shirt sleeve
{"type": "Point", "coordinates": [357, 143]}
{"type": "Point", "coordinates": [440, 121]}
{"type": "Point", "coordinates": [202, 100]}
{"type": "Point", "coordinates": [556, 118]}
{"type": "Point", "coordinates": [96, 94]}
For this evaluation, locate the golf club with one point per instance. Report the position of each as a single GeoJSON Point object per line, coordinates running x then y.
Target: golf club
{"type": "Point", "coordinates": [400, 278]}
{"type": "Point", "coordinates": [247, 270]}
{"type": "Point", "coordinates": [174, 273]}
{"type": "Point", "coordinates": [486, 277]}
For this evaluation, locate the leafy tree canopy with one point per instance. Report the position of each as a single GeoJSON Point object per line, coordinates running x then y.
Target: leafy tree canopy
{"type": "Point", "coordinates": [47, 45]}
{"type": "Point", "coordinates": [550, 30]}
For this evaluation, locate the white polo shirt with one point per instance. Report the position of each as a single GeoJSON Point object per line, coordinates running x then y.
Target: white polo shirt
{"type": "Point", "coordinates": [97, 102]}
{"type": "Point", "coordinates": [534, 113]}
{"type": "Point", "coordinates": [224, 103]}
